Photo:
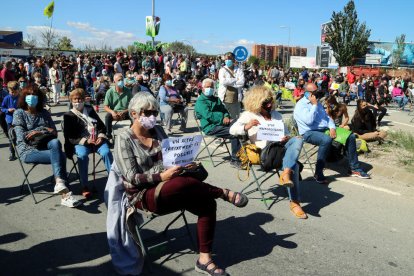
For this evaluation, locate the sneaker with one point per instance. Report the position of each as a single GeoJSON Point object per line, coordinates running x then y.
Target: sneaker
{"type": "Point", "coordinates": [360, 173]}
{"type": "Point", "coordinates": [219, 142]}
{"type": "Point", "coordinates": [236, 164]}
{"type": "Point", "coordinates": [70, 201]}
{"type": "Point", "coordinates": [12, 157]}
{"type": "Point", "coordinates": [60, 187]}
{"type": "Point", "coordinates": [321, 179]}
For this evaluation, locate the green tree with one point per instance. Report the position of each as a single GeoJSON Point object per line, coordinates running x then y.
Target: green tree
{"type": "Point", "coordinates": [397, 53]}
{"type": "Point", "coordinates": [180, 47]}
{"type": "Point", "coordinates": [347, 36]}
{"type": "Point", "coordinates": [64, 44]}
{"type": "Point", "coordinates": [253, 60]}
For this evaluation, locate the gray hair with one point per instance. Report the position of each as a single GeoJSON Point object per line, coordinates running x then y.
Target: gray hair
{"type": "Point", "coordinates": [207, 80]}
{"type": "Point", "coordinates": [142, 101]}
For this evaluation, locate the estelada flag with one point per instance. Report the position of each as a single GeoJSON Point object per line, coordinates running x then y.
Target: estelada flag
{"type": "Point", "coordinates": [48, 11]}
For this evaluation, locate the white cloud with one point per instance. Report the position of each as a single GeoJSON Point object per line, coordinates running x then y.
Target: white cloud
{"type": "Point", "coordinates": [230, 45]}
{"type": "Point", "coordinates": [37, 30]}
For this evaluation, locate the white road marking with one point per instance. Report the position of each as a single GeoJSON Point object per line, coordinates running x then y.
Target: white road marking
{"type": "Point", "coordinates": [404, 124]}
{"type": "Point", "coordinates": [368, 186]}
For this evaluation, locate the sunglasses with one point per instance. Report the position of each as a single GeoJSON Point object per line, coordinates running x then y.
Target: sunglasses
{"type": "Point", "coordinates": [148, 113]}
{"type": "Point", "coordinates": [267, 101]}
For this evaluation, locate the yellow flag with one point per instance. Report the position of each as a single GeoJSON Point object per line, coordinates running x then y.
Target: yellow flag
{"type": "Point", "coordinates": [48, 11]}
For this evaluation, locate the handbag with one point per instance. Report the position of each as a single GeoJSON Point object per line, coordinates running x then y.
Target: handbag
{"type": "Point", "coordinates": [248, 155]}
{"type": "Point", "coordinates": [232, 93]}
{"type": "Point", "coordinates": [199, 172]}
{"type": "Point", "coordinates": [40, 141]}
{"type": "Point", "coordinates": [271, 156]}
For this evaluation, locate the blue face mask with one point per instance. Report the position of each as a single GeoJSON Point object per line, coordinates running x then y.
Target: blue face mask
{"type": "Point", "coordinates": [22, 85]}
{"type": "Point", "coordinates": [120, 84]}
{"type": "Point", "coordinates": [168, 83]}
{"type": "Point", "coordinates": [31, 100]}
{"type": "Point", "coordinates": [209, 91]}
{"type": "Point", "coordinates": [228, 62]}
{"type": "Point", "coordinates": [307, 94]}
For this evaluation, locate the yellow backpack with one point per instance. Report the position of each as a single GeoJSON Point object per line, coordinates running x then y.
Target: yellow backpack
{"type": "Point", "coordinates": [248, 155]}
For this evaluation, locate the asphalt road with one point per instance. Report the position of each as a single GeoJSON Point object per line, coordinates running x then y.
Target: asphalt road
{"type": "Point", "coordinates": [355, 227]}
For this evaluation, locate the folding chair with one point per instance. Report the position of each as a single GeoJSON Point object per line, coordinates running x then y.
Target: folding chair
{"type": "Point", "coordinates": [207, 144]}
{"type": "Point", "coordinates": [259, 177]}
{"type": "Point", "coordinates": [26, 173]}
{"type": "Point", "coordinates": [149, 217]}
{"type": "Point", "coordinates": [307, 153]}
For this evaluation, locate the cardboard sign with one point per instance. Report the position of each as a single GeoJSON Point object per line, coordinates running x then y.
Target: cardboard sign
{"type": "Point", "coordinates": [180, 151]}
{"type": "Point", "coordinates": [271, 131]}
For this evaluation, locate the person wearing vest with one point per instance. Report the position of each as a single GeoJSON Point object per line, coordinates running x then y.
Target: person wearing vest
{"type": "Point", "coordinates": [231, 82]}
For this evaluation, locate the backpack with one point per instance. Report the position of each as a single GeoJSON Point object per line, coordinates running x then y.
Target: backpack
{"type": "Point", "coordinates": [271, 157]}
{"type": "Point", "coordinates": [361, 146]}
{"type": "Point", "coordinates": [335, 153]}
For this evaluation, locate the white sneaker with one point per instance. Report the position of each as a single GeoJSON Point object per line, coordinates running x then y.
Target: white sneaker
{"type": "Point", "coordinates": [60, 187]}
{"type": "Point", "coordinates": [70, 201]}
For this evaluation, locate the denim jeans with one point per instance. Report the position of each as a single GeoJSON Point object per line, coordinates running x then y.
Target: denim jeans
{"type": "Point", "coordinates": [292, 151]}
{"type": "Point", "coordinates": [294, 192]}
{"type": "Point", "coordinates": [82, 153]}
{"type": "Point", "coordinates": [224, 132]}
{"type": "Point", "coordinates": [401, 101]}
{"type": "Point", "coordinates": [53, 155]}
{"type": "Point", "coordinates": [323, 141]}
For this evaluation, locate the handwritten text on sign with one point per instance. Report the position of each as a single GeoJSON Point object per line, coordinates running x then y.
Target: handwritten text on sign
{"type": "Point", "coordinates": [180, 151]}
{"type": "Point", "coordinates": [271, 131]}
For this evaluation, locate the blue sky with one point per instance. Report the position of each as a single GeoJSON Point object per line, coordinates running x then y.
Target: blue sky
{"type": "Point", "coordinates": [211, 26]}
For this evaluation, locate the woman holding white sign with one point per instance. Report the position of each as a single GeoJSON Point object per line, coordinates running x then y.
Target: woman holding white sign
{"type": "Point", "coordinates": [263, 124]}
{"type": "Point", "coordinates": [138, 155]}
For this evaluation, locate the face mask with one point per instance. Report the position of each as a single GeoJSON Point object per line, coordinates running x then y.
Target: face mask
{"type": "Point", "coordinates": [120, 84]}
{"type": "Point", "coordinates": [209, 91]}
{"type": "Point", "coordinates": [307, 94]}
{"type": "Point", "coordinates": [148, 122]}
{"type": "Point", "coordinates": [228, 62]}
{"type": "Point", "coordinates": [168, 83]}
{"type": "Point", "coordinates": [22, 85]}
{"type": "Point", "coordinates": [31, 100]}
{"type": "Point", "coordinates": [78, 106]}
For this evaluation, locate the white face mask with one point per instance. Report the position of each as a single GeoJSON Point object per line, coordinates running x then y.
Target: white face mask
{"type": "Point", "coordinates": [78, 106]}
{"type": "Point", "coordinates": [148, 122]}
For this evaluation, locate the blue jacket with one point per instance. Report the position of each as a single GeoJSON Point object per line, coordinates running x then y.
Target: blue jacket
{"type": "Point", "coordinates": [9, 102]}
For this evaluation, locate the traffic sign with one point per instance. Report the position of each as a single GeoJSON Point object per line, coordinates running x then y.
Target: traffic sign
{"type": "Point", "coordinates": [240, 53]}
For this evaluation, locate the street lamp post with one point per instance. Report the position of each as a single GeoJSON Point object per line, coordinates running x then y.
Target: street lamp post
{"type": "Point", "coordinates": [153, 18]}
{"type": "Point", "coordinates": [287, 27]}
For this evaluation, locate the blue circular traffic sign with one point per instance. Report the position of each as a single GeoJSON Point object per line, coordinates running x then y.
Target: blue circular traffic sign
{"type": "Point", "coordinates": [240, 53]}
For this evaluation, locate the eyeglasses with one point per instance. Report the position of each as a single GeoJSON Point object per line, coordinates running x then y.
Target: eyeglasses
{"type": "Point", "coordinates": [148, 113]}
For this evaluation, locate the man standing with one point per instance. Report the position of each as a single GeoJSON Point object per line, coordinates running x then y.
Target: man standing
{"type": "Point", "coordinates": [56, 81]}
{"type": "Point", "coordinates": [215, 119]}
{"type": "Point", "coordinates": [275, 74]}
{"type": "Point", "coordinates": [313, 121]}
{"type": "Point", "coordinates": [116, 103]}
{"type": "Point", "coordinates": [231, 82]}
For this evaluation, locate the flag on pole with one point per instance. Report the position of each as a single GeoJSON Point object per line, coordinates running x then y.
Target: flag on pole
{"type": "Point", "coordinates": [48, 11]}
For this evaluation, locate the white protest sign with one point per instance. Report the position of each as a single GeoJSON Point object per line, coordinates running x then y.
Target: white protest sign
{"type": "Point", "coordinates": [272, 130]}
{"type": "Point", "coordinates": [180, 151]}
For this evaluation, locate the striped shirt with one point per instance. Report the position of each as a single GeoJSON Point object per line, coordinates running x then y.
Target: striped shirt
{"type": "Point", "coordinates": [139, 165]}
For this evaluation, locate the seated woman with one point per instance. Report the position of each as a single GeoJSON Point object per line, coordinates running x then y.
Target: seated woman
{"type": "Point", "coordinates": [399, 96]}
{"type": "Point", "coordinates": [171, 102]}
{"type": "Point", "coordinates": [31, 122]}
{"type": "Point", "coordinates": [259, 104]}
{"type": "Point", "coordinates": [149, 186]}
{"type": "Point", "coordinates": [338, 112]}
{"type": "Point", "coordinates": [364, 123]}
{"type": "Point", "coordinates": [79, 126]}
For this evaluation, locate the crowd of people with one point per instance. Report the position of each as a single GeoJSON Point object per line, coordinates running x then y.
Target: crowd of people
{"type": "Point", "coordinates": [231, 100]}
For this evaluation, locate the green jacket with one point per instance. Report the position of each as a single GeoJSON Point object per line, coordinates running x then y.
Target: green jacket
{"type": "Point", "coordinates": [210, 111]}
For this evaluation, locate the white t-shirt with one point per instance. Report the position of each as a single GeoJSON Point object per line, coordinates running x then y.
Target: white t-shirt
{"type": "Point", "coordinates": [118, 67]}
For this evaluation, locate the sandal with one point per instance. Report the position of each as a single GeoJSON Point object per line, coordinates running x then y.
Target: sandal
{"type": "Point", "coordinates": [202, 268]}
{"type": "Point", "coordinates": [286, 183]}
{"type": "Point", "coordinates": [243, 200]}
{"type": "Point", "coordinates": [297, 210]}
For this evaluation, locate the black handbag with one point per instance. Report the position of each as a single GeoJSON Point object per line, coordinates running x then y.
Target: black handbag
{"type": "Point", "coordinates": [40, 141]}
{"type": "Point", "coordinates": [199, 172]}
{"type": "Point", "coordinates": [271, 156]}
